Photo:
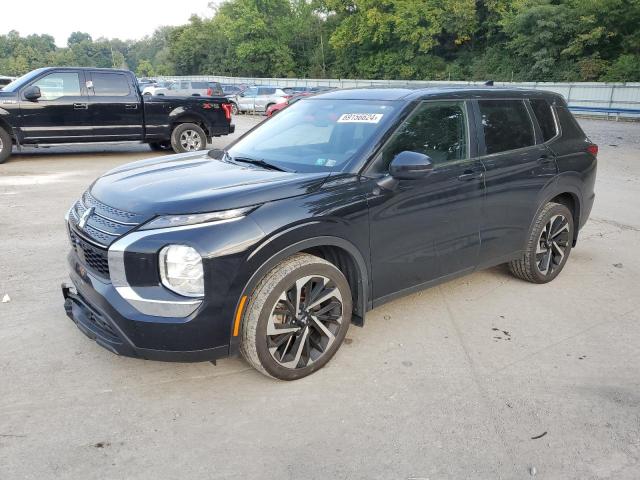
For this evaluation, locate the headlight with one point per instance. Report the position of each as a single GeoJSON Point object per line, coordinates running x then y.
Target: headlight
{"type": "Point", "coordinates": [167, 221]}
{"type": "Point", "coordinates": [181, 270]}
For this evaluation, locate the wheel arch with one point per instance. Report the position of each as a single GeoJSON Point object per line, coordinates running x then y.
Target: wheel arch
{"type": "Point", "coordinates": [338, 251]}
{"type": "Point", "coordinates": [568, 195]}
{"type": "Point", "coordinates": [189, 117]}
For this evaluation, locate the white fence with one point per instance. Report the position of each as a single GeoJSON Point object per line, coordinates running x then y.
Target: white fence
{"type": "Point", "coordinates": [618, 99]}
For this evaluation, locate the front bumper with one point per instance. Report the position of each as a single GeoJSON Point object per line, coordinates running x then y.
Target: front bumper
{"type": "Point", "coordinates": [99, 326]}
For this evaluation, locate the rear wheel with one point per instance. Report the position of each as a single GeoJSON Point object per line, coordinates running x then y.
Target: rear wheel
{"type": "Point", "coordinates": [188, 137]}
{"type": "Point", "coordinates": [234, 109]}
{"type": "Point", "coordinates": [297, 318]}
{"type": "Point", "coordinates": [5, 145]}
{"type": "Point", "coordinates": [548, 247]}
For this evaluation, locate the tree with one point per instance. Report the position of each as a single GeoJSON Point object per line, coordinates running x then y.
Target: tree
{"type": "Point", "coordinates": [145, 69]}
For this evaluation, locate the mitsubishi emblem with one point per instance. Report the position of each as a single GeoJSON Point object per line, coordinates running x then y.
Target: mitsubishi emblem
{"type": "Point", "coordinates": [85, 216]}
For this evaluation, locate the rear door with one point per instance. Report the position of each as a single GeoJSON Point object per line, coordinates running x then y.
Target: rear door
{"type": "Point", "coordinates": [116, 108]}
{"type": "Point", "coordinates": [61, 114]}
{"type": "Point", "coordinates": [518, 167]}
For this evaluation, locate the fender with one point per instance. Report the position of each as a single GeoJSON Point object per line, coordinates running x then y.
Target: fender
{"type": "Point", "coordinates": [362, 275]}
{"type": "Point", "coordinates": [565, 182]}
{"type": "Point", "coordinates": [182, 114]}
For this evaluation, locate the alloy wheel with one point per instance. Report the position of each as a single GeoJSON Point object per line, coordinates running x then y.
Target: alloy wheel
{"type": "Point", "coordinates": [552, 244]}
{"type": "Point", "coordinates": [190, 140]}
{"type": "Point", "coordinates": [304, 322]}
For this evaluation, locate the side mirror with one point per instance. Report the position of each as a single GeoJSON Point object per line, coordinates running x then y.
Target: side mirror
{"type": "Point", "coordinates": [241, 94]}
{"type": "Point", "coordinates": [32, 93]}
{"type": "Point", "coordinates": [410, 165]}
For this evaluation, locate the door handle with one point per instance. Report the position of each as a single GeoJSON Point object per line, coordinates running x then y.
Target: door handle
{"type": "Point", "coordinates": [131, 106]}
{"type": "Point", "coordinates": [469, 175]}
{"type": "Point", "coordinates": [80, 106]}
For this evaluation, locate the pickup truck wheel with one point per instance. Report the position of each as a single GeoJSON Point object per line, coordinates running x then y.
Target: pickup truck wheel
{"type": "Point", "coordinates": [160, 146]}
{"type": "Point", "coordinates": [5, 145]}
{"type": "Point", "coordinates": [548, 247]}
{"type": "Point", "coordinates": [296, 317]}
{"type": "Point", "coordinates": [188, 137]}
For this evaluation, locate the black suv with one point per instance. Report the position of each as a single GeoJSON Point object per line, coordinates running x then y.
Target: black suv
{"type": "Point", "coordinates": [340, 203]}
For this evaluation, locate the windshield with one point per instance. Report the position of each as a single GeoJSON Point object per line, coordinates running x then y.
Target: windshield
{"type": "Point", "coordinates": [316, 135]}
{"type": "Point", "coordinates": [20, 81]}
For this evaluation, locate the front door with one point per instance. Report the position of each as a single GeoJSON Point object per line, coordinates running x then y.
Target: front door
{"type": "Point", "coordinates": [61, 114]}
{"type": "Point", "coordinates": [116, 109]}
{"type": "Point", "coordinates": [247, 98]}
{"type": "Point", "coordinates": [264, 96]}
{"type": "Point", "coordinates": [426, 229]}
{"type": "Point", "coordinates": [518, 167]}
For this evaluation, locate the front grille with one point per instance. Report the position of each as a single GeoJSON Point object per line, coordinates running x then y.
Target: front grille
{"type": "Point", "coordinates": [93, 257]}
{"type": "Point", "coordinates": [92, 233]}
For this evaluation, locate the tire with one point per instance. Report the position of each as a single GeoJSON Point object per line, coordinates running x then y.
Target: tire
{"type": "Point", "coordinates": [6, 144]}
{"type": "Point", "coordinates": [548, 247]}
{"type": "Point", "coordinates": [308, 275]}
{"type": "Point", "coordinates": [188, 137]}
{"type": "Point", "coordinates": [160, 146]}
{"type": "Point", "coordinates": [234, 109]}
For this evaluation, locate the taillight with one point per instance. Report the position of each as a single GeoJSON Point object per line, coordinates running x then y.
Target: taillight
{"type": "Point", "coordinates": [227, 110]}
{"type": "Point", "coordinates": [593, 149]}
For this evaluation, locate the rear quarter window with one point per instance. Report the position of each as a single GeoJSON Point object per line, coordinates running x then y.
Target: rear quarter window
{"type": "Point", "coordinates": [544, 115]}
{"type": "Point", "coordinates": [507, 125]}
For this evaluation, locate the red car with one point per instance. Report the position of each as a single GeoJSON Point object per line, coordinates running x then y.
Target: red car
{"type": "Point", "coordinates": [273, 109]}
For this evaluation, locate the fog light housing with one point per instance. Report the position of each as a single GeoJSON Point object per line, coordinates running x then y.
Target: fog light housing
{"type": "Point", "coordinates": [181, 270]}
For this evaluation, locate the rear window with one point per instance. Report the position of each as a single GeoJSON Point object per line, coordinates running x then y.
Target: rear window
{"type": "Point", "coordinates": [544, 116]}
{"type": "Point", "coordinates": [507, 125]}
{"type": "Point", "coordinates": [110, 85]}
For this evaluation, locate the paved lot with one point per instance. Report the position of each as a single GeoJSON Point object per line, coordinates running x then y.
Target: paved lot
{"type": "Point", "coordinates": [453, 382]}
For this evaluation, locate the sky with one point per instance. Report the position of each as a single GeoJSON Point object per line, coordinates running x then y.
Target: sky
{"type": "Point", "coordinates": [124, 19]}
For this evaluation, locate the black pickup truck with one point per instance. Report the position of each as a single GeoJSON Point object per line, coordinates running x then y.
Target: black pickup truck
{"type": "Point", "coordinates": [89, 105]}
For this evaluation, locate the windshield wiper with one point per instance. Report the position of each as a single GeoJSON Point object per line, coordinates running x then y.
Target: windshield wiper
{"type": "Point", "coordinates": [259, 162]}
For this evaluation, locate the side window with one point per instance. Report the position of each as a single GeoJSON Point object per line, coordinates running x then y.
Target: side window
{"type": "Point", "coordinates": [544, 116]}
{"type": "Point", "coordinates": [266, 91]}
{"type": "Point", "coordinates": [437, 129]}
{"type": "Point", "coordinates": [199, 85]}
{"type": "Point", "coordinates": [110, 85]}
{"type": "Point", "coordinates": [251, 92]}
{"type": "Point", "coordinates": [59, 84]}
{"type": "Point", "coordinates": [507, 125]}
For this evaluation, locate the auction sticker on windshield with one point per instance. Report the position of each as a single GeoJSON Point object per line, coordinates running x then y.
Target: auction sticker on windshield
{"type": "Point", "coordinates": [360, 118]}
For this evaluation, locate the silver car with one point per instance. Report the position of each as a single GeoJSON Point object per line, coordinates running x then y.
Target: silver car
{"type": "Point", "coordinates": [257, 99]}
{"type": "Point", "coordinates": [183, 88]}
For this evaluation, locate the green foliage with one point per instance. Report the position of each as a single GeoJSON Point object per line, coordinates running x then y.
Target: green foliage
{"type": "Point", "coordinates": [532, 40]}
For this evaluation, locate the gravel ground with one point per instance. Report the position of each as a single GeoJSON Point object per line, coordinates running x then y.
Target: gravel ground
{"type": "Point", "coordinates": [484, 377]}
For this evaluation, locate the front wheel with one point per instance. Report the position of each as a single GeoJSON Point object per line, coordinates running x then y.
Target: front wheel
{"type": "Point", "coordinates": [5, 146]}
{"type": "Point", "coordinates": [297, 318]}
{"type": "Point", "coordinates": [188, 137]}
{"type": "Point", "coordinates": [548, 247]}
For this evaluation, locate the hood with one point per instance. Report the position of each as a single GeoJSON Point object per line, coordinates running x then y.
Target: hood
{"type": "Point", "coordinates": [194, 182]}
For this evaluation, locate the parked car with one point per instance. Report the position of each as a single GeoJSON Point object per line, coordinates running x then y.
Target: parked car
{"type": "Point", "coordinates": [296, 90]}
{"type": "Point", "coordinates": [187, 88]}
{"type": "Point", "coordinates": [273, 109]}
{"type": "Point", "coordinates": [5, 80]}
{"type": "Point", "coordinates": [71, 105]}
{"type": "Point", "coordinates": [342, 202]}
{"type": "Point", "coordinates": [214, 89]}
{"type": "Point", "coordinates": [232, 89]}
{"type": "Point", "coordinates": [151, 89]}
{"type": "Point", "coordinates": [257, 99]}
